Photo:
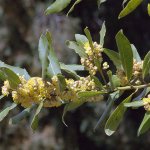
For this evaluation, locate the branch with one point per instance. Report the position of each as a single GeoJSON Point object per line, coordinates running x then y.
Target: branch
{"type": "Point", "coordinates": [133, 87]}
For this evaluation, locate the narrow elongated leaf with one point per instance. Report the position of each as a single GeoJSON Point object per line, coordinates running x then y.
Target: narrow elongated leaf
{"type": "Point", "coordinates": [114, 57]}
{"type": "Point", "coordinates": [136, 55]}
{"type": "Point", "coordinates": [98, 63]}
{"type": "Point", "coordinates": [145, 124]}
{"type": "Point", "coordinates": [72, 8]}
{"type": "Point", "coordinates": [71, 106]}
{"type": "Point", "coordinates": [102, 34]}
{"type": "Point", "coordinates": [116, 117]}
{"type": "Point", "coordinates": [141, 95]}
{"type": "Point", "coordinates": [105, 113]}
{"type": "Point", "coordinates": [88, 34]}
{"type": "Point", "coordinates": [111, 83]}
{"type": "Point", "coordinates": [81, 39]}
{"type": "Point", "coordinates": [62, 82]}
{"type": "Point", "coordinates": [112, 97]}
{"type": "Point", "coordinates": [35, 120]}
{"type": "Point", "coordinates": [78, 49]}
{"type": "Point", "coordinates": [132, 5]}
{"type": "Point", "coordinates": [18, 118]}
{"type": "Point", "coordinates": [73, 67]}
{"type": "Point", "coordinates": [11, 77]}
{"type": "Point", "coordinates": [148, 9]}
{"type": "Point", "coordinates": [88, 94]}
{"type": "Point", "coordinates": [97, 83]}
{"type": "Point", "coordinates": [43, 53]}
{"type": "Point", "coordinates": [126, 55]}
{"type": "Point", "coordinates": [57, 6]}
{"type": "Point", "coordinates": [134, 104]}
{"type": "Point", "coordinates": [146, 65]}
{"type": "Point", "coordinates": [17, 70]}
{"type": "Point", "coordinates": [5, 112]}
{"type": "Point", "coordinates": [54, 67]}
{"type": "Point", "coordinates": [69, 70]}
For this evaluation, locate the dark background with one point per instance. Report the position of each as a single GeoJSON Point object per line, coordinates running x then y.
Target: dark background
{"type": "Point", "coordinates": [21, 23]}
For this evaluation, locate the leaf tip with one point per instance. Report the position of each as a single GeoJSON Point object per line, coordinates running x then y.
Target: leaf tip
{"type": "Point", "coordinates": [63, 120]}
{"type": "Point", "coordinates": [109, 132]}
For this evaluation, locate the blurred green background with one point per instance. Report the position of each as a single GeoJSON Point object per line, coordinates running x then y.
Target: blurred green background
{"type": "Point", "coordinates": [21, 23]}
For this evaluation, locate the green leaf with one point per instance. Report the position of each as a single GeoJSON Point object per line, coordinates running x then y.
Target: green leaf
{"type": "Point", "coordinates": [97, 83]}
{"type": "Point", "coordinates": [134, 104]}
{"type": "Point", "coordinates": [43, 53]}
{"type": "Point", "coordinates": [116, 81]}
{"type": "Point", "coordinates": [141, 95]}
{"type": "Point", "coordinates": [2, 76]}
{"type": "Point", "coordinates": [98, 63]}
{"type": "Point", "coordinates": [62, 82]}
{"type": "Point", "coordinates": [105, 113]}
{"type": "Point", "coordinates": [132, 5]}
{"type": "Point", "coordinates": [68, 69]}
{"type": "Point", "coordinates": [114, 57]}
{"type": "Point", "coordinates": [146, 65]}
{"type": "Point", "coordinates": [19, 117]}
{"type": "Point", "coordinates": [147, 90]}
{"type": "Point", "coordinates": [35, 120]}
{"type": "Point", "coordinates": [112, 97]}
{"type": "Point", "coordinates": [111, 83]}
{"type": "Point", "coordinates": [116, 117]}
{"type": "Point", "coordinates": [11, 77]}
{"type": "Point", "coordinates": [17, 70]}
{"type": "Point", "coordinates": [102, 34]}
{"type": "Point", "coordinates": [57, 6]}
{"type": "Point", "coordinates": [71, 106]}
{"type": "Point", "coordinates": [145, 124]}
{"type": "Point", "coordinates": [5, 112]}
{"type": "Point", "coordinates": [78, 49]}
{"type": "Point", "coordinates": [72, 8]}
{"type": "Point", "coordinates": [54, 67]}
{"type": "Point", "coordinates": [125, 52]}
{"type": "Point", "coordinates": [88, 34]}
{"type": "Point", "coordinates": [74, 67]}
{"type": "Point", "coordinates": [136, 55]}
{"type": "Point", "coordinates": [88, 94]}
{"type": "Point", "coordinates": [148, 9]}
{"type": "Point", "coordinates": [81, 39]}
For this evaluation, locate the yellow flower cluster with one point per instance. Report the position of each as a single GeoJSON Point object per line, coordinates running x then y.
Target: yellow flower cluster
{"type": "Point", "coordinates": [30, 92]}
{"type": "Point", "coordinates": [137, 68]}
{"type": "Point", "coordinates": [137, 72]}
{"type": "Point", "coordinates": [92, 54]}
{"type": "Point", "coordinates": [146, 102]}
{"type": "Point", "coordinates": [36, 90]}
{"type": "Point", "coordinates": [83, 84]}
{"type": "Point", "coordinates": [73, 87]}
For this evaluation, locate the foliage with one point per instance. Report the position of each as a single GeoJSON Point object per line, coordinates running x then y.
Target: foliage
{"type": "Point", "coordinates": [53, 89]}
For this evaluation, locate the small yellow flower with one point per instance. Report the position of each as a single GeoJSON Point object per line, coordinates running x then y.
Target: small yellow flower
{"type": "Point", "coordinates": [36, 90]}
{"type": "Point", "coordinates": [6, 88]}
{"type": "Point", "coordinates": [146, 102]}
{"type": "Point", "coordinates": [105, 65]}
{"type": "Point", "coordinates": [92, 54]}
